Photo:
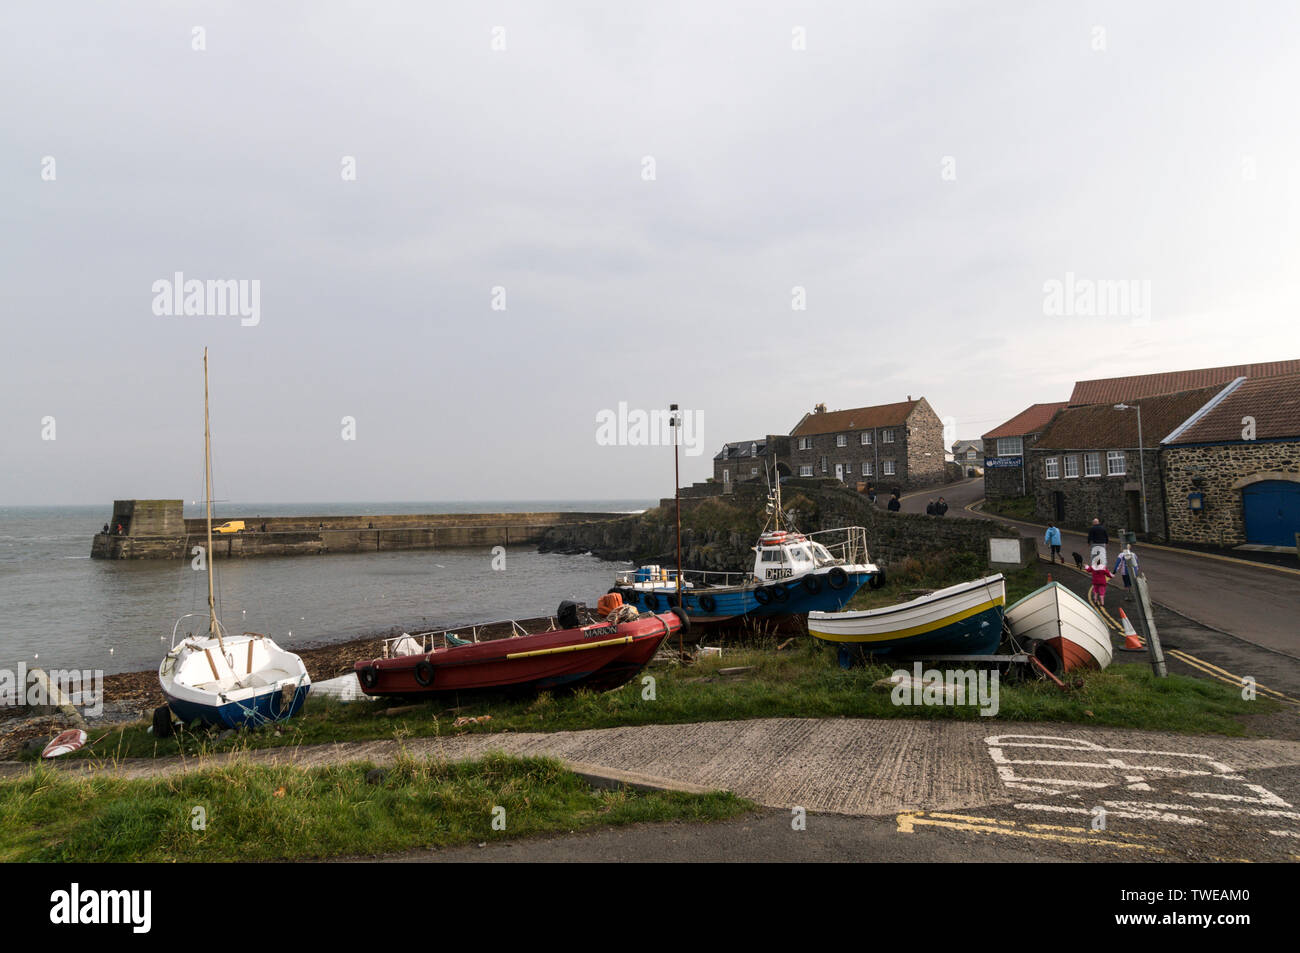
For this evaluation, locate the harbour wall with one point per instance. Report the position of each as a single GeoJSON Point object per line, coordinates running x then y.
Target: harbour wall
{"type": "Point", "coordinates": [718, 534]}
{"type": "Point", "coordinates": [318, 535]}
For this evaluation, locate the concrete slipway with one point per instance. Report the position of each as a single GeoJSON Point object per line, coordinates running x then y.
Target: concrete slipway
{"type": "Point", "coordinates": [1032, 786]}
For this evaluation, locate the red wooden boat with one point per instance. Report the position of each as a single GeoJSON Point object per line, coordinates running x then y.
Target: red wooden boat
{"type": "Point", "coordinates": [600, 656]}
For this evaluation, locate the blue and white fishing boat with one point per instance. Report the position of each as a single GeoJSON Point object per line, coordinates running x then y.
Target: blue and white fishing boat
{"type": "Point", "coordinates": [794, 574]}
{"type": "Point", "coordinates": [965, 619]}
{"type": "Point", "coordinates": [232, 681]}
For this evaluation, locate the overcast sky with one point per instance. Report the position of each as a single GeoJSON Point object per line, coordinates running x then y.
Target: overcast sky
{"type": "Point", "coordinates": [922, 170]}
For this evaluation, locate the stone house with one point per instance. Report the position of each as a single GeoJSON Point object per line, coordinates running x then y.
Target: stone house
{"type": "Point", "coordinates": [968, 453]}
{"type": "Point", "coordinates": [1088, 462]}
{"type": "Point", "coordinates": [1232, 472]}
{"type": "Point", "coordinates": [751, 460]}
{"type": "Point", "coordinates": [889, 445]}
{"type": "Point", "coordinates": [1006, 470]}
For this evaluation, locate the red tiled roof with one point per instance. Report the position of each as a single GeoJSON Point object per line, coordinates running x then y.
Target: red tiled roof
{"type": "Point", "coordinates": [1030, 420]}
{"type": "Point", "coordinates": [1110, 390]}
{"type": "Point", "coordinates": [1274, 403]}
{"type": "Point", "coordinates": [859, 418]}
{"type": "Point", "coordinates": [1102, 427]}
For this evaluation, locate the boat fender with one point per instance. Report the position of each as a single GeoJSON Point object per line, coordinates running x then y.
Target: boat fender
{"type": "Point", "coordinates": [877, 580]}
{"type": "Point", "coordinates": [762, 596]}
{"type": "Point", "coordinates": [651, 601]}
{"type": "Point", "coordinates": [812, 584]}
{"type": "Point", "coordinates": [779, 592]}
{"type": "Point", "coordinates": [424, 672]}
{"type": "Point", "coordinates": [673, 601]}
{"type": "Point", "coordinates": [837, 578]}
{"type": "Point", "coordinates": [683, 618]}
{"type": "Point", "coordinates": [708, 603]}
{"type": "Point", "coordinates": [369, 676]}
{"type": "Point", "coordinates": [162, 722]}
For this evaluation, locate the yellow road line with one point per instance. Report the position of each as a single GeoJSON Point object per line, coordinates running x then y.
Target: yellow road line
{"type": "Point", "coordinates": [908, 821]}
{"type": "Point", "coordinates": [1224, 675]}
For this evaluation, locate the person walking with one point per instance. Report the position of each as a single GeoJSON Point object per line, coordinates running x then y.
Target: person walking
{"type": "Point", "coordinates": [1122, 565]}
{"type": "Point", "coordinates": [941, 507]}
{"type": "Point", "coordinates": [929, 508]}
{"type": "Point", "coordinates": [895, 504]}
{"type": "Point", "coordinates": [1100, 577]}
{"type": "Point", "coordinates": [1098, 539]}
{"type": "Point", "coordinates": [1053, 538]}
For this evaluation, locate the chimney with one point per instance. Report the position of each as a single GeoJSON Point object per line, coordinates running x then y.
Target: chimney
{"type": "Point", "coordinates": [819, 409]}
{"type": "Point", "coordinates": [909, 398]}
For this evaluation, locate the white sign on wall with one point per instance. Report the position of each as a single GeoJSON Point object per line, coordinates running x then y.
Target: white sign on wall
{"type": "Point", "coordinates": [1004, 550]}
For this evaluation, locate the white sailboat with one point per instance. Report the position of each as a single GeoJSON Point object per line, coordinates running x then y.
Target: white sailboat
{"type": "Point", "coordinates": [235, 681]}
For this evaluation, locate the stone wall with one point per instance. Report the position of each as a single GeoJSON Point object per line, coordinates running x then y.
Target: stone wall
{"type": "Point", "coordinates": [1115, 500]}
{"type": "Point", "coordinates": [718, 535]}
{"type": "Point", "coordinates": [925, 449]}
{"type": "Point", "coordinates": [301, 535]}
{"type": "Point", "coordinates": [1214, 471]}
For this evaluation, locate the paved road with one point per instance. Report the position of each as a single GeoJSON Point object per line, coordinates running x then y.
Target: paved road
{"type": "Point", "coordinates": [1258, 604]}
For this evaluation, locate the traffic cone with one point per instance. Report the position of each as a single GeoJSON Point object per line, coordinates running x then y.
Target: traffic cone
{"type": "Point", "coordinates": [1131, 641]}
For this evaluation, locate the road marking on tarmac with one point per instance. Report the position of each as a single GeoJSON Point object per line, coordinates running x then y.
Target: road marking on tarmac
{"type": "Point", "coordinates": [908, 821]}
{"type": "Point", "coordinates": [1223, 675]}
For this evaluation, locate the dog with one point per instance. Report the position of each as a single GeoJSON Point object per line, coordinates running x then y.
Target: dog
{"type": "Point", "coordinates": [1078, 561]}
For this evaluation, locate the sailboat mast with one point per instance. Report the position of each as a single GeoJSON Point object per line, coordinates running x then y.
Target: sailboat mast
{"type": "Point", "coordinates": [207, 493]}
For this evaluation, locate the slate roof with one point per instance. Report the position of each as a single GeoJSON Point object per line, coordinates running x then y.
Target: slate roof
{"type": "Point", "coordinates": [1111, 390]}
{"type": "Point", "coordinates": [740, 449]}
{"type": "Point", "coordinates": [1274, 403]}
{"type": "Point", "coordinates": [859, 418]}
{"type": "Point", "coordinates": [1030, 420]}
{"type": "Point", "coordinates": [1102, 427]}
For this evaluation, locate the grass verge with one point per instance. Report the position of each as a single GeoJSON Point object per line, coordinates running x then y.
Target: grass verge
{"type": "Point", "coordinates": [803, 681]}
{"type": "Point", "coordinates": [254, 813]}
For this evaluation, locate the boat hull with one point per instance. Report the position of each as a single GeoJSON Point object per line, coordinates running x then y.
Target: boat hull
{"type": "Point", "coordinates": [258, 710]}
{"type": "Point", "coordinates": [1068, 632]}
{"type": "Point", "coordinates": [961, 620]}
{"type": "Point", "coordinates": [595, 657]}
{"type": "Point", "coordinates": [719, 604]}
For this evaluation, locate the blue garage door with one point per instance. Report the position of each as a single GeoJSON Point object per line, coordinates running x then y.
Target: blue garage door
{"type": "Point", "coordinates": [1272, 510]}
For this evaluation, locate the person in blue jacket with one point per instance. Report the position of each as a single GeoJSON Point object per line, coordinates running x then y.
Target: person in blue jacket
{"type": "Point", "coordinates": [1053, 538]}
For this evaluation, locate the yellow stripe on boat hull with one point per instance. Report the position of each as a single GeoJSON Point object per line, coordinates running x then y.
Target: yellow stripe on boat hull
{"type": "Point", "coordinates": [571, 648]}
{"type": "Point", "coordinates": [914, 630]}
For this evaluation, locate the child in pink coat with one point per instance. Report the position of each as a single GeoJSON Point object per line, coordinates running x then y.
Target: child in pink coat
{"type": "Point", "coordinates": [1100, 576]}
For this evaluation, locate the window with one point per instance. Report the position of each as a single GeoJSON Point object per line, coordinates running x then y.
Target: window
{"type": "Point", "coordinates": [1052, 468]}
{"type": "Point", "coordinates": [726, 476]}
{"type": "Point", "coordinates": [841, 440]}
{"type": "Point", "coordinates": [825, 464]}
{"type": "Point", "coordinates": [753, 449]}
{"type": "Point", "coordinates": [805, 443]}
{"type": "Point", "coordinates": [1116, 463]}
{"type": "Point", "coordinates": [970, 454]}
{"type": "Point", "coordinates": [867, 469]}
{"type": "Point", "coordinates": [887, 436]}
{"type": "Point", "coordinates": [1092, 464]}
{"type": "Point", "coordinates": [889, 466]}
{"type": "Point", "coordinates": [753, 471]}
{"type": "Point", "coordinates": [1010, 446]}
{"type": "Point", "coordinates": [1071, 467]}
{"type": "Point", "coordinates": [866, 438]}
{"type": "Point", "coordinates": [805, 470]}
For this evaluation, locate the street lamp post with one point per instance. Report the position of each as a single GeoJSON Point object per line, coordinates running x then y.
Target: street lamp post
{"type": "Point", "coordinates": [1142, 464]}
